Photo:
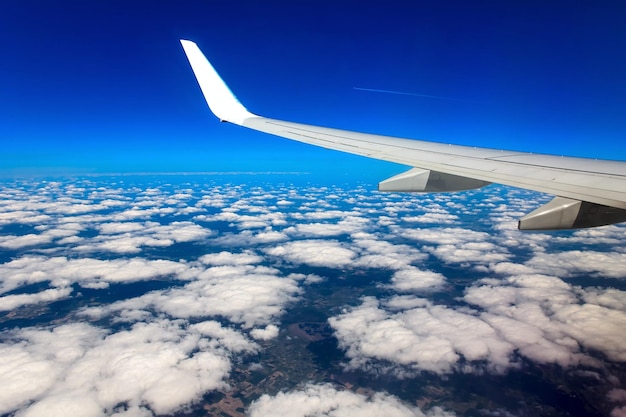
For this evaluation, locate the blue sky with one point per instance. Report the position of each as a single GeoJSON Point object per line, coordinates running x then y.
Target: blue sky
{"type": "Point", "coordinates": [104, 86]}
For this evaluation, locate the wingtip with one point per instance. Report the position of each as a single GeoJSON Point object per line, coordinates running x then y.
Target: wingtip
{"type": "Point", "coordinates": [220, 99]}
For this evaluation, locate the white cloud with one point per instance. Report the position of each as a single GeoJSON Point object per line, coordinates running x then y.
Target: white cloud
{"type": "Point", "coordinates": [17, 242]}
{"type": "Point", "coordinates": [446, 236]}
{"type": "Point", "coordinates": [270, 237]}
{"type": "Point", "coordinates": [383, 254]}
{"type": "Point", "coordinates": [158, 366]}
{"type": "Point", "coordinates": [324, 400]}
{"type": "Point", "coordinates": [228, 258]}
{"type": "Point", "coordinates": [545, 318]}
{"type": "Point", "coordinates": [74, 207]}
{"type": "Point", "coordinates": [470, 252]}
{"type": "Point", "coordinates": [247, 221]}
{"type": "Point", "coordinates": [511, 268]}
{"type": "Point", "coordinates": [389, 261]}
{"type": "Point", "coordinates": [22, 217]}
{"type": "Point", "coordinates": [609, 297]}
{"type": "Point", "coordinates": [329, 253]}
{"type": "Point", "coordinates": [122, 244]}
{"type": "Point", "coordinates": [320, 215]}
{"type": "Point", "coordinates": [349, 224]}
{"type": "Point", "coordinates": [120, 227]}
{"type": "Point", "coordinates": [251, 295]}
{"type": "Point", "coordinates": [11, 302]}
{"type": "Point", "coordinates": [92, 273]}
{"type": "Point", "coordinates": [429, 338]}
{"type": "Point", "coordinates": [436, 218]}
{"type": "Point", "coordinates": [317, 230]}
{"type": "Point", "coordinates": [414, 279]}
{"type": "Point", "coordinates": [307, 279]}
{"type": "Point", "coordinates": [130, 237]}
{"type": "Point", "coordinates": [458, 245]}
{"type": "Point", "coordinates": [134, 213]}
{"type": "Point", "coordinates": [606, 264]}
{"type": "Point", "coordinates": [541, 318]}
{"type": "Point", "coordinates": [269, 332]}
{"type": "Point", "coordinates": [606, 235]}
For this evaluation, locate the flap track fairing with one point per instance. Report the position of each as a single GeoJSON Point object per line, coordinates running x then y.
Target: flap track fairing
{"type": "Point", "coordinates": [424, 180]}
{"type": "Point", "coordinates": [565, 213]}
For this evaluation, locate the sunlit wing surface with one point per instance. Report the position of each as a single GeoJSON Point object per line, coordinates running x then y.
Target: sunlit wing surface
{"type": "Point", "coordinates": [588, 192]}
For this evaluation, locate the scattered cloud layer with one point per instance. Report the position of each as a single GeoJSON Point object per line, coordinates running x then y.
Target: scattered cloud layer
{"type": "Point", "coordinates": [457, 290]}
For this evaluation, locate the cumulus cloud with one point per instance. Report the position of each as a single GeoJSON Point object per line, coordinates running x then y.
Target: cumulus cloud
{"type": "Point", "coordinates": [606, 235]}
{"type": "Point", "coordinates": [228, 258]}
{"type": "Point", "coordinates": [437, 218]}
{"type": "Point", "coordinates": [414, 279]}
{"type": "Point", "coordinates": [11, 302]}
{"type": "Point", "coordinates": [324, 400]}
{"type": "Point", "coordinates": [269, 332]}
{"type": "Point", "coordinates": [321, 215]}
{"type": "Point", "coordinates": [471, 252]}
{"type": "Point", "coordinates": [541, 318]}
{"type": "Point", "coordinates": [21, 216]}
{"type": "Point", "coordinates": [445, 236]}
{"type": "Point", "coordinates": [251, 295]}
{"type": "Point", "coordinates": [48, 234]}
{"type": "Point", "coordinates": [424, 338]}
{"type": "Point", "coordinates": [269, 236]}
{"type": "Point", "coordinates": [347, 225]}
{"type": "Point", "coordinates": [120, 227]}
{"type": "Point", "coordinates": [247, 238]}
{"type": "Point", "coordinates": [544, 317]}
{"type": "Point", "coordinates": [606, 264]}
{"type": "Point", "coordinates": [158, 366]}
{"type": "Point", "coordinates": [130, 237]}
{"type": "Point", "coordinates": [329, 253]}
{"type": "Point", "coordinates": [376, 253]}
{"type": "Point", "coordinates": [458, 245]}
{"type": "Point", "coordinates": [318, 230]}
{"type": "Point", "coordinates": [247, 221]}
{"type": "Point", "coordinates": [90, 273]}
{"type": "Point", "coordinates": [17, 242]}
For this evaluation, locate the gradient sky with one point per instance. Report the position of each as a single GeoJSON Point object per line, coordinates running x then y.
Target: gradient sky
{"type": "Point", "coordinates": [104, 86]}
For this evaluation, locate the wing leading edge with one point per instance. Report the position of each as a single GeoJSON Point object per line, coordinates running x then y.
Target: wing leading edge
{"type": "Point", "coordinates": [588, 192]}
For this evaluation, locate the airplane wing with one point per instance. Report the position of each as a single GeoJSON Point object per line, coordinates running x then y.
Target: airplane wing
{"type": "Point", "coordinates": [588, 192]}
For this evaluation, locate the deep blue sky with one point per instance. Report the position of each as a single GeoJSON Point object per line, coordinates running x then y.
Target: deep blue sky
{"type": "Point", "coordinates": [104, 86]}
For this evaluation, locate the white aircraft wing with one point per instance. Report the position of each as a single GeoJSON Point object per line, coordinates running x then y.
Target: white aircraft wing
{"type": "Point", "coordinates": [589, 192]}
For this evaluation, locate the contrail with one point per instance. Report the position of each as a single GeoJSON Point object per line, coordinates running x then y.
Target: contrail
{"type": "Point", "coordinates": [407, 94]}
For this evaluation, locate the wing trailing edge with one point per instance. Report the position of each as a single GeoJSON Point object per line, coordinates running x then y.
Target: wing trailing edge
{"type": "Point", "coordinates": [588, 192]}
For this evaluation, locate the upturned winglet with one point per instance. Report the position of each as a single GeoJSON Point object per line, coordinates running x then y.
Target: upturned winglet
{"type": "Point", "coordinates": [218, 96]}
